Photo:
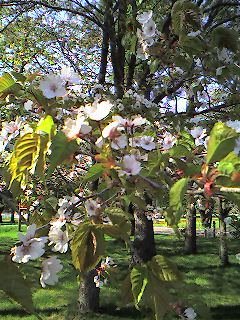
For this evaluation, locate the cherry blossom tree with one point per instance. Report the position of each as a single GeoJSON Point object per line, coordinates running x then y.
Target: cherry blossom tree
{"type": "Point", "coordinates": [158, 129]}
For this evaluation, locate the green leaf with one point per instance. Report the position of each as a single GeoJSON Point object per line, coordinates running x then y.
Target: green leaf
{"type": "Point", "coordinates": [6, 82]}
{"type": "Point", "coordinates": [164, 269]}
{"type": "Point", "coordinates": [94, 172]}
{"type": "Point", "coordinates": [126, 292]}
{"type": "Point", "coordinates": [133, 43]}
{"type": "Point", "coordinates": [121, 230]}
{"type": "Point", "coordinates": [233, 197]}
{"type": "Point", "coordinates": [191, 45]}
{"type": "Point", "coordinates": [221, 142]}
{"type": "Point", "coordinates": [179, 151]}
{"type": "Point", "coordinates": [177, 193]}
{"type": "Point", "coordinates": [185, 13]}
{"type": "Point", "coordinates": [24, 157]}
{"type": "Point", "coordinates": [19, 76]}
{"type": "Point", "coordinates": [46, 130]}
{"type": "Point", "coordinates": [88, 246]}
{"type": "Point", "coordinates": [182, 62]}
{"type": "Point", "coordinates": [225, 38]}
{"type": "Point", "coordinates": [229, 164]}
{"type": "Point", "coordinates": [186, 140]}
{"type": "Point", "coordinates": [62, 149]}
{"type": "Point", "coordinates": [14, 285]}
{"type": "Point", "coordinates": [46, 125]}
{"type": "Point", "coordinates": [149, 291]}
{"type": "Point", "coordinates": [51, 203]}
{"type": "Point", "coordinates": [141, 204]}
{"type": "Point", "coordinates": [139, 281]}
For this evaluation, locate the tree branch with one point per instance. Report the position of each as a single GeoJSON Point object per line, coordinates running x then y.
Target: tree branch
{"type": "Point", "coordinates": [52, 7]}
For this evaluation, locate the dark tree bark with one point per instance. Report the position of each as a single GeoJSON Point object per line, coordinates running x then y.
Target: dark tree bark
{"type": "Point", "coordinates": [104, 47]}
{"type": "Point", "coordinates": [12, 217]}
{"type": "Point", "coordinates": [131, 211]}
{"type": "Point", "coordinates": [191, 234]}
{"type": "Point", "coordinates": [88, 296]}
{"type": "Point", "coordinates": [143, 245]}
{"type": "Point", "coordinates": [223, 248]}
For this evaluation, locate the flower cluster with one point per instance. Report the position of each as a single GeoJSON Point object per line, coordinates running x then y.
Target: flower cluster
{"type": "Point", "coordinates": [50, 268]}
{"type": "Point", "coordinates": [100, 279]}
{"type": "Point", "coordinates": [53, 86]}
{"type": "Point", "coordinates": [10, 130]}
{"type": "Point", "coordinates": [32, 248]}
{"type": "Point", "coordinates": [147, 35]}
{"type": "Point", "coordinates": [189, 314]}
{"type": "Point", "coordinates": [199, 134]}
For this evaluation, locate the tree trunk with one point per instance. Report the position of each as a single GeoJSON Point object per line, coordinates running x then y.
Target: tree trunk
{"type": "Point", "coordinates": [143, 245]}
{"type": "Point", "coordinates": [131, 211]}
{"type": "Point", "coordinates": [88, 297]}
{"type": "Point", "coordinates": [223, 248]}
{"type": "Point", "coordinates": [191, 234]}
{"type": "Point", "coordinates": [89, 294]}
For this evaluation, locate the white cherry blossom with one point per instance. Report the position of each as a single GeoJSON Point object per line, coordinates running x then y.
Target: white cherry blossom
{"type": "Point", "coordinates": [52, 86]}
{"type": "Point", "coordinates": [92, 207]}
{"type": "Point", "coordinates": [225, 55]}
{"type": "Point", "coordinates": [130, 166]}
{"type": "Point", "coordinates": [189, 314]}
{"type": "Point", "coordinates": [31, 250]}
{"type": "Point", "coordinates": [50, 268]}
{"type": "Point", "coordinates": [98, 111]}
{"type": "Point", "coordinates": [11, 130]}
{"type": "Point", "coordinates": [99, 283]}
{"type": "Point", "coordinates": [111, 130]}
{"type": "Point", "coordinates": [130, 123]}
{"type": "Point", "coordinates": [69, 75]}
{"type": "Point", "coordinates": [147, 143]}
{"type": "Point", "coordinates": [31, 230]}
{"type": "Point", "coordinates": [60, 221]}
{"type": "Point", "coordinates": [144, 17]}
{"type": "Point", "coordinates": [149, 29]}
{"type": "Point", "coordinates": [119, 142]}
{"type": "Point", "coordinates": [149, 41]}
{"type": "Point", "coordinates": [59, 238]}
{"type": "Point", "coordinates": [74, 128]}
{"type": "Point", "coordinates": [168, 141]}
{"type": "Point", "coordinates": [198, 134]}
{"type": "Point", "coordinates": [142, 54]}
{"type": "Point", "coordinates": [135, 141]}
{"type": "Point", "coordinates": [194, 33]}
{"type": "Point", "coordinates": [99, 143]}
{"type": "Point", "coordinates": [28, 105]}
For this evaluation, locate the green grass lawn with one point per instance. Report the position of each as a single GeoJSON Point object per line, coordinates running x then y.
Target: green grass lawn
{"type": "Point", "coordinates": [217, 286]}
{"type": "Point", "coordinates": [182, 223]}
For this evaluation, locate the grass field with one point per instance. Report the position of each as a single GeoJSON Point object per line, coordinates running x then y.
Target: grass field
{"type": "Point", "coordinates": [182, 223]}
{"type": "Point", "coordinates": [217, 286]}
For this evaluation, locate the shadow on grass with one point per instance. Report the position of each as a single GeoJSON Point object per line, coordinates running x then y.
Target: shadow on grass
{"type": "Point", "coordinates": [124, 313]}
{"type": "Point", "coordinates": [21, 313]}
{"type": "Point", "coordinates": [226, 312]}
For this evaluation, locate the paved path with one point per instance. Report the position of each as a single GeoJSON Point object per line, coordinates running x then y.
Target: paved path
{"type": "Point", "coordinates": [168, 230]}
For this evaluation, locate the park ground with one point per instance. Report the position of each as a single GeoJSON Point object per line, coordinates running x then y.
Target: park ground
{"type": "Point", "coordinates": [217, 286]}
